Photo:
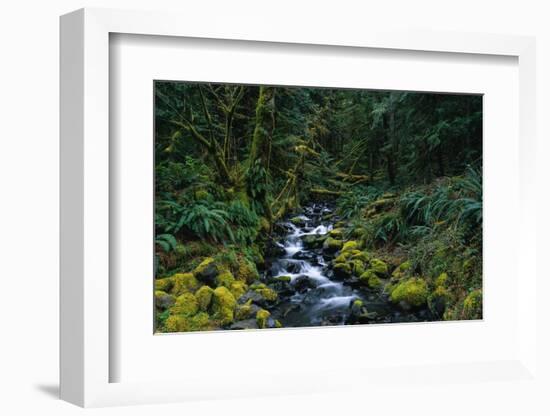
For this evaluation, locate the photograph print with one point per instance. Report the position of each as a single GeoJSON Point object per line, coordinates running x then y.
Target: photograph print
{"type": "Point", "coordinates": [285, 206]}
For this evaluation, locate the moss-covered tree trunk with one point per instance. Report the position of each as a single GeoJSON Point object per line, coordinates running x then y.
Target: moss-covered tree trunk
{"type": "Point", "coordinates": [261, 141]}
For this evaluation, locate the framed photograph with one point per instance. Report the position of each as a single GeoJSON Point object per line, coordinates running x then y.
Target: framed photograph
{"type": "Point", "coordinates": [246, 206]}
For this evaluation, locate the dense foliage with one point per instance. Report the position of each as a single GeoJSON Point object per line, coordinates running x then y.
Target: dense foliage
{"type": "Point", "coordinates": [403, 168]}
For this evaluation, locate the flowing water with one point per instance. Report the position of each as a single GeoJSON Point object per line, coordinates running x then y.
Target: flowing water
{"type": "Point", "coordinates": [314, 297]}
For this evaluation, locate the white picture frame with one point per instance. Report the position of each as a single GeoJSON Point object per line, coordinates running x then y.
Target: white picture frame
{"type": "Point", "coordinates": [85, 217]}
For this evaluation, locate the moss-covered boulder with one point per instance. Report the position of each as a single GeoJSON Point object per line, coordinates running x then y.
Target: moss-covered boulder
{"type": "Point", "coordinates": [337, 233]}
{"type": "Point", "coordinates": [163, 300]}
{"type": "Point", "coordinates": [185, 305]}
{"type": "Point", "coordinates": [342, 257]}
{"type": "Point", "coordinates": [164, 284]}
{"type": "Point", "coordinates": [225, 278]}
{"type": "Point", "coordinates": [410, 293]}
{"type": "Point", "coordinates": [246, 311]}
{"type": "Point", "coordinates": [247, 271]}
{"type": "Point", "coordinates": [360, 255]}
{"type": "Point", "coordinates": [183, 283]}
{"type": "Point", "coordinates": [332, 245]}
{"type": "Point", "coordinates": [262, 317]}
{"type": "Point", "coordinates": [473, 305]}
{"type": "Point", "coordinates": [378, 266]}
{"type": "Point", "coordinates": [207, 272]}
{"type": "Point", "coordinates": [350, 245]}
{"type": "Point", "coordinates": [267, 293]}
{"type": "Point", "coordinates": [181, 323]}
{"type": "Point", "coordinates": [357, 267]}
{"type": "Point", "coordinates": [298, 221]}
{"type": "Point", "coordinates": [223, 305]}
{"type": "Point", "coordinates": [370, 279]}
{"type": "Point", "coordinates": [204, 297]}
{"type": "Point", "coordinates": [402, 270]}
{"type": "Point", "coordinates": [342, 270]}
{"type": "Point", "coordinates": [313, 241]}
{"type": "Point", "coordinates": [238, 288]}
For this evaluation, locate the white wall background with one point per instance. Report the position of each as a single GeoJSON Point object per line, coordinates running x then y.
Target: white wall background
{"type": "Point", "coordinates": [29, 182]}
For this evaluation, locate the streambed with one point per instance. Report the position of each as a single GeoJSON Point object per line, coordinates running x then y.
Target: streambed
{"type": "Point", "coordinates": [310, 294]}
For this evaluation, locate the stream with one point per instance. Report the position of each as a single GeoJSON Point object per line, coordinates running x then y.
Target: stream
{"type": "Point", "coordinates": [309, 293]}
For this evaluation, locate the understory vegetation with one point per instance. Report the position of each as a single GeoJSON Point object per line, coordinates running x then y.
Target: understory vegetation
{"type": "Point", "coordinates": [402, 169]}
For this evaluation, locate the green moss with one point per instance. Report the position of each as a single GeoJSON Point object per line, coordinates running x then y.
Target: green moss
{"type": "Point", "coordinates": [184, 282]}
{"type": "Point", "coordinates": [297, 220]}
{"type": "Point", "coordinates": [204, 297]}
{"type": "Point", "coordinates": [332, 245]}
{"type": "Point", "coordinates": [238, 289]}
{"type": "Point", "coordinates": [266, 292]}
{"type": "Point", "coordinates": [186, 305]}
{"type": "Point", "coordinates": [358, 303]}
{"type": "Point", "coordinates": [442, 279]}
{"type": "Point", "coordinates": [472, 306]}
{"type": "Point", "coordinates": [264, 225]}
{"type": "Point", "coordinates": [342, 257]}
{"type": "Point", "coordinates": [181, 323]}
{"type": "Point", "coordinates": [278, 324]}
{"type": "Point", "coordinates": [163, 300]}
{"type": "Point", "coordinates": [165, 284]}
{"type": "Point", "coordinates": [225, 278]}
{"type": "Point", "coordinates": [261, 318]}
{"type": "Point", "coordinates": [223, 305]}
{"type": "Point", "coordinates": [414, 292]}
{"type": "Point", "coordinates": [247, 271]}
{"type": "Point", "coordinates": [286, 279]}
{"type": "Point", "coordinates": [337, 233]}
{"type": "Point", "coordinates": [244, 311]}
{"type": "Point", "coordinates": [201, 194]}
{"type": "Point", "coordinates": [378, 266]}
{"type": "Point", "coordinates": [342, 269]}
{"type": "Point", "coordinates": [357, 267]}
{"type": "Point", "coordinates": [370, 279]}
{"type": "Point", "coordinates": [401, 270]}
{"type": "Point", "coordinates": [350, 245]}
{"type": "Point", "coordinates": [361, 255]}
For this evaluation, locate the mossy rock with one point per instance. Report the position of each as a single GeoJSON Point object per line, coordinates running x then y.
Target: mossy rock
{"type": "Point", "coordinates": [342, 257]}
{"type": "Point", "coordinates": [183, 283]}
{"type": "Point", "coordinates": [267, 293]}
{"type": "Point", "coordinates": [204, 297]}
{"type": "Point", "coordinates": [247, 271]}
{"type": "Point", "coordinates": [225, 278]}
{"type": "Point", "coordinates": [370, 279]}
{"type": "Point", "coordinates": [361, 255]}
{"type": "Point", "coordinates": [262, 317]}
{"type": "Point", "coordinates": [442, 279]}
{"type": "Point", "coordinates": [185, 305]}
{"type": "Point", "coordinates": [298, 221]}
{"type": "Point", "coordinates": [181, 323]}
{"type": "Point", "coordinates": [342, 270]}
{"type": "Point", "coordinates": [332, 245]}
{"type": "Point", "coordinates": [238, 289]}
{"type": "Point", "coordinates": [337, 233]}
{"type": "Point", "coordinates": [163, 300]}
{"type": "Point", "coordinates": [358, 232]}
{"type": "Point", "coordinates": [207, 271]}
{"type": "Point", "coordinates": [223, 305]}
{"type": "Point", "coordinates": [313, 241]}
{"type": "Point", "coordinates": [246, 311]}
{"type": "Point", "coordinates": [285, 279]}
{"type": "Point", "coordinates": [378, 266]}
{"type": "Point", "coordinates": [357, 267]}
{"type": "Point", "coordinates": [473, 305]}
{"type": "Point", "coordinates": [410, 293]}
{"type": "Point", "coordinates": [164, 284]}
{"type": "Point", "coordinates": [402, 270]}
{"type": "Point", "coordinates": [350, 245]}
